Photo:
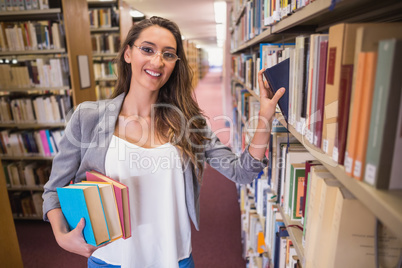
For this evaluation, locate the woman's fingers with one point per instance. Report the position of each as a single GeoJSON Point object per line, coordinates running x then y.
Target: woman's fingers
{"type": "Point", "coordinates": [265, 91]}
{"type": "Point", "coordinates": [262, 85]}
{"type": "Point", "coordinates": [278, 95]}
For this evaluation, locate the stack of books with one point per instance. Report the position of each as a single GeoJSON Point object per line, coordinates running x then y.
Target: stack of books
{"type": "Point", "coordinates": [102, 202]}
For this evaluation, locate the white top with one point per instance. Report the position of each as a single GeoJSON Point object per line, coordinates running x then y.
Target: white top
{"type": "Point", "coordinates": [160, 225]}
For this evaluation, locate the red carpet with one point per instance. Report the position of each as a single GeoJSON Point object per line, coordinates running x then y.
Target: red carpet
{"type": "Point", "coordinates": [217, 244]}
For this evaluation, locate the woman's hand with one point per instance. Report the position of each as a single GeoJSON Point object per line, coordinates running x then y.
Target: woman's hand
{"type": "Point", "coordinates": [72, 241]}
{"type": "Point", "coordinates": [268, 101]}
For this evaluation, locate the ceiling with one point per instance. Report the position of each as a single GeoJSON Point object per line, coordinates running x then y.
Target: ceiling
{"type": "Point", "coordinates": [195, 18]}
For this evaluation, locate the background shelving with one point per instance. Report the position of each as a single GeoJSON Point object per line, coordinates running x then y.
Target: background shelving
{"type": "Point", "coordinates": [107, 33]}
{"type": "Point", "coordinates": [75, 41]}
{"type": "Point", "coordinates": [316, 17]}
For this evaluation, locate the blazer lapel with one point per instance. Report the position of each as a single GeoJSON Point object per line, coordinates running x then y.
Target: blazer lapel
{"type": "Point", "coordinates": [103, 132]}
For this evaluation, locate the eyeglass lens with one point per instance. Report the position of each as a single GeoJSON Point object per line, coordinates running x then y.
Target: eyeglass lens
{"type": "Point", "coordinates": [151, 51]}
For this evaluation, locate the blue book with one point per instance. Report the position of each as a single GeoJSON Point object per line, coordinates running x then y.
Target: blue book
{"type": "Point", "coordinates": [85, 202]}
{"type": "Point", "coordinates": [52, 151]}
{"type": "Point", "coordinates": [277, 77]}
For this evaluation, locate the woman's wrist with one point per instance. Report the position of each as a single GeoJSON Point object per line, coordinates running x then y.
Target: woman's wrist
{"type": "Point", "coordinates": [264, 123]}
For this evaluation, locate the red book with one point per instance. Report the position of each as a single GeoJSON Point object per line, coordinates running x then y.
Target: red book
{"type": "Point", "coordinates": [122, 200]}
{"type": "Point", "coordinates": [345, 91]}
{"type": "Point", "coordinates": [321, 93]}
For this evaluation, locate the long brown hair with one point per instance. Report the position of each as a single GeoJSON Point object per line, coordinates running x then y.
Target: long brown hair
{"type": "Point", "coordinates": [177, 92]}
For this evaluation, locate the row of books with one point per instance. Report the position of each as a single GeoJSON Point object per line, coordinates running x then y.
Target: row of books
{"type": "Point", "coordinates": [246, 66]}
{"type": "Point", "coordinates": [257, 15]}
{"type": "Point", "coordinates": [40, 72]}
{"type": "Point", "coordinates": [23, 173]}
{"type": "Point", "coordinates": [18, 5]}
{"type": "Point", "coordinates": [327, 75]}
{"type": "Point", "coordinates": [264, 248]}
{"type": "Point", "coordinates": [350, 106]}
{"type": "Point", "coordinates": [104, 90]}
{"type": "Point", "coordinates": [298, 187]}
{"type": "Point", "coordinates": [103, 17]}
{"type": "Point", "coordinates": [26, 205]}
{"type": "Point", "coordinates": [35, 109]}
{"type": "Point", "coordinates": [106, 69]}
{"type": "Point", "coordinates": [42, 142]}
{"type": "Point", "coordinates": [20, 36]}
{"type": "Point", "coordinates": [105, 43]}
{"type": "Point", "coordinates": [103, 202]}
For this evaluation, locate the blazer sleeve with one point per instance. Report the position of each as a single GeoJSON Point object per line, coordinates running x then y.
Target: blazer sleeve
{"type": "Point", "coordinates": [65, 164]}
{"type": "Point", "coordinates": [240, 169]}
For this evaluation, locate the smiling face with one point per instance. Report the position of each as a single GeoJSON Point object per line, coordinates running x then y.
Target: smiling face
{"type": "Point", "coordinates": [151, 72]}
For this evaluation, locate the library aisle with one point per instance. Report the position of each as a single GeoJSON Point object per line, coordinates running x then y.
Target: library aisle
{"type": "Point", "coordinates": [217, 244]}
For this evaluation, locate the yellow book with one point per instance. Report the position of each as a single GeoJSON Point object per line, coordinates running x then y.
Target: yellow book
{"type": "Point", "coordinates": [110, 208]}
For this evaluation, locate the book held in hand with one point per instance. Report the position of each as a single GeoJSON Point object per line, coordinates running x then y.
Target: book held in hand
{"type": "Point", "coordinates": [122, 199]}
{"type": "Point", "coordinates": [109, 206]}
{"type": "Point", "coordinates": [277, 77]}
{"type": "Point", "coordinates": [84, 201]}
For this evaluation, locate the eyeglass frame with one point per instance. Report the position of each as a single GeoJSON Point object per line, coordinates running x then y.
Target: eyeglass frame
{"type": "Point", "coordinates": [156, 53]}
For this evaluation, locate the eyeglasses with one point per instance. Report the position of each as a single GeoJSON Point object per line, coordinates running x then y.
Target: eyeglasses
{"type": "Point", "coordinates": [151, 51]}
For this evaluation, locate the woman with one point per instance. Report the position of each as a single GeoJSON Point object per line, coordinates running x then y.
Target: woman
{"type": "Point", "coordinates": [152, 137]}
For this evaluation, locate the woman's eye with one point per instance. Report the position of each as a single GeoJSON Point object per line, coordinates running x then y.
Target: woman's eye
{"type": "Point", "coordinates": [148, 49]}
{"type": "Point", "coordinates": [169, 55]}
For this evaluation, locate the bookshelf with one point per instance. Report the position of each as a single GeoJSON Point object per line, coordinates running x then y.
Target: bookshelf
{"type": "Point", "coordinates": [9, 248]}
{"type": "Point", "coordinates": [318, 16]}
{"type": "Point", "coordinates": [386, 205]}
{"type": "Point", "coordinates": [110, 22]}
{"type": "Point", "coordinates": [71, 33]}
{"type": "Point", "coordinates": [315, 17]}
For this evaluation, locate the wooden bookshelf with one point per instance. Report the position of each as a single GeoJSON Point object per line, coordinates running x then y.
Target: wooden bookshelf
{"type": "Point", "coordinates": [294, 233]}
{"type": "Point", "coordinates": [77, 43]}
{"type": "Point", "coordinates": [32, 125]}
{"type": "Point", "coordinates": [27, 157]}
{"type": "Point", "coordinates": [105, 29]}
{"type": "Point", "coordinates": [32, 52]}
{"type": "Point", "coordinates": [19, 89]}
{"type": "Point", "coordinates": [319, 16]}
{"type": "Point", "coordinates": [26, 188]}
{"type": "Point", "coordinates": [237, 80]}
{"type": "Point", "coordinates": [123, 26]}
{"type": "Point", "coordinates": [384, 204]}
{"type": "Point", "coordinates": [10, 253]}
{"type": "Point", "coordinates": [105, 55]}
{"type": "Point", "coordinates": [30, 13]}
{"type": "Point", "coordinates": [101, 2]}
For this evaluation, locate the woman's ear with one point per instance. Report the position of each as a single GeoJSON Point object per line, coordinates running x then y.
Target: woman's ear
{"type": "Point", "coordinates": [127, 54]}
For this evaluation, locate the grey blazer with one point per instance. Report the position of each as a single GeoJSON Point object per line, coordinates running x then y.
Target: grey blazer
{"type": "Point", "coordinates": [86, 141]}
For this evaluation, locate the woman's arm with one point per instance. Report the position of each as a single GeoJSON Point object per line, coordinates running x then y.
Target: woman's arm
{"type": "Point", "coordinates": [72, 241]}
{"type": "Point", "coordinates": [258, 145]}
{"type": "Point", "coordinates": [64, 168]}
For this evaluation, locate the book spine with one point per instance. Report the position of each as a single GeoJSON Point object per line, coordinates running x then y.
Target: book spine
{"type": "Point", "coordinates": [364, 114]}
{"type": "Point", "coordinates": [345, 90]}
{"type": "Point", "coordinates": [354, 115]}
{"type": "Point", "coordinates": [384, 118]}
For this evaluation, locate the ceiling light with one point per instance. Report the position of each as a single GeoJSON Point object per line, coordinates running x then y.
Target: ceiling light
{"type": "Point", "coordinates": [220, 11]}
{"type": "Point", "coordinates": [136, 14]}
{"type": "Point", "coordinates": [220, 32]}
